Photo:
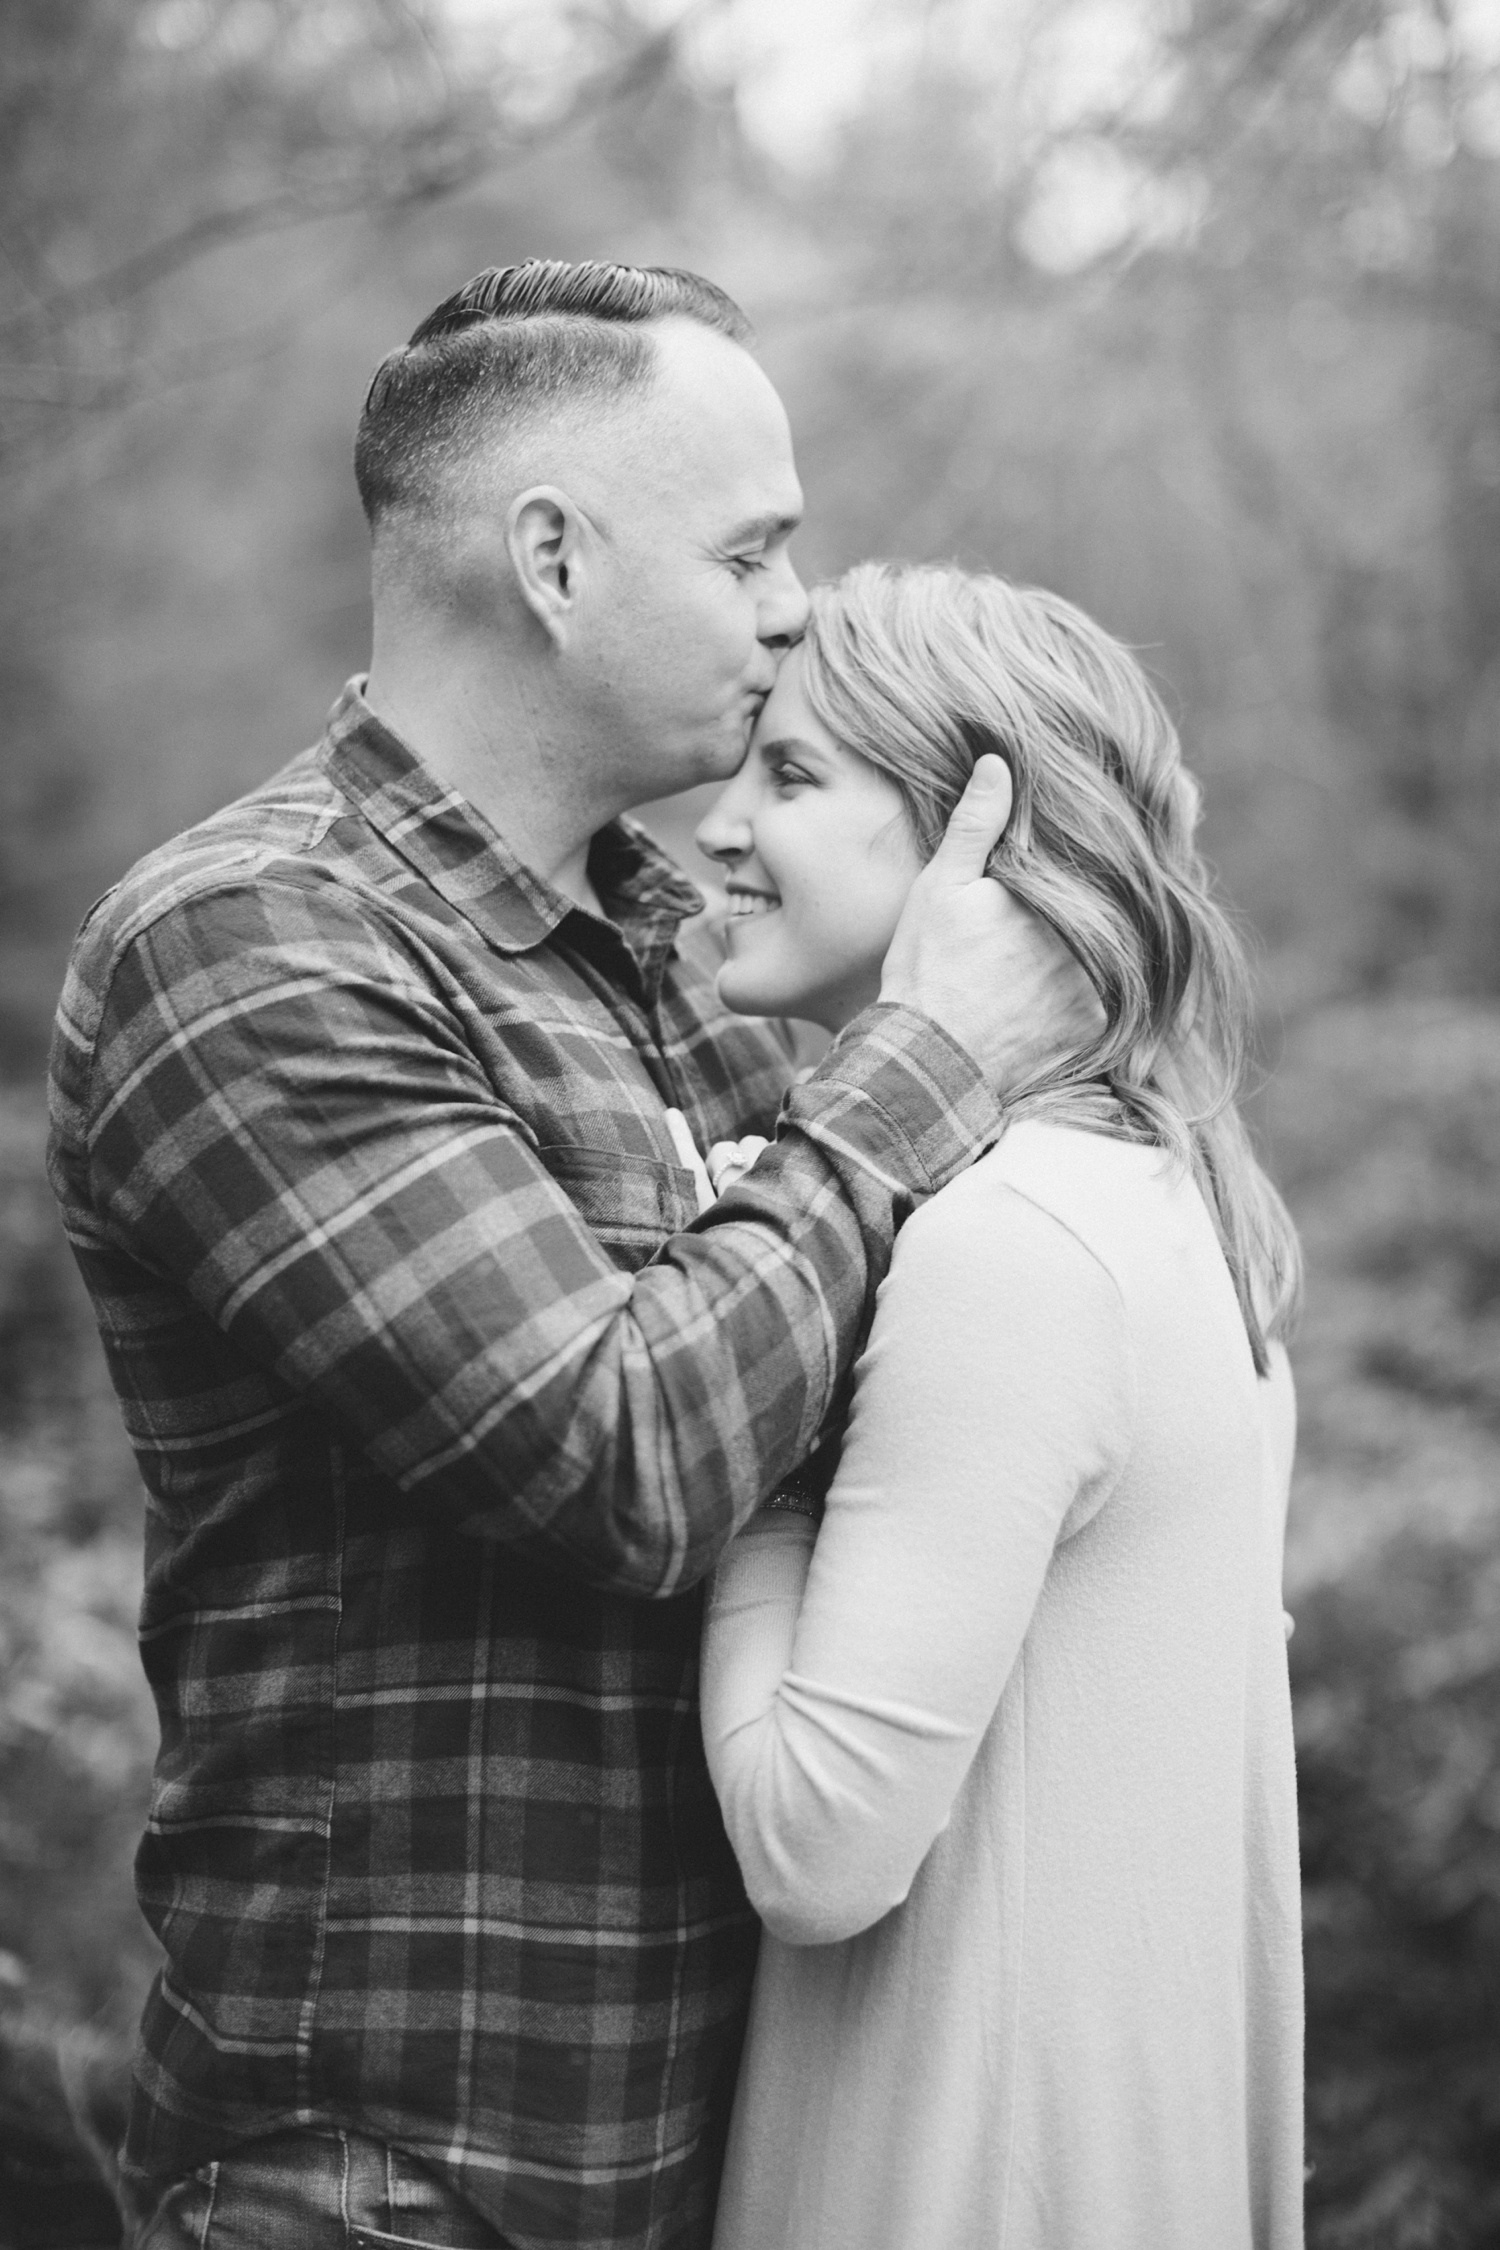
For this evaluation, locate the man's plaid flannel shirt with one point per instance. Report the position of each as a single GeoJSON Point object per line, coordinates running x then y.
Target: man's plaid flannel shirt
{"type": "Point", "coordinates": [445, 1400]}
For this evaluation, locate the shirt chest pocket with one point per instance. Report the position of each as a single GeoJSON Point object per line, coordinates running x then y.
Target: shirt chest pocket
{"type": "Point", "coordinates": [631, 1203]}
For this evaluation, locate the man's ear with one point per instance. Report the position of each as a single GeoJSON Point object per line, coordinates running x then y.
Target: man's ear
{"type": "Point", "coordinates": [545, 536]}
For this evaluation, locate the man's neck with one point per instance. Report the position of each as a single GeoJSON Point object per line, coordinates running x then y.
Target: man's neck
{"type": "Point", "coordinates": [496, 749]}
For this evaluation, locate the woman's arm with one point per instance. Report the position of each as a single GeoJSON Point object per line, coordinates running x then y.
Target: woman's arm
{"type": "Point", "coordinates": [846, 1688]}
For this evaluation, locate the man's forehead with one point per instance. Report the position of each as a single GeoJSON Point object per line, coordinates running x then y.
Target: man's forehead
{"type": "Point", "coordinates": [711, 387]}
{"type": "Point", "coordinates": [715, 433]}
{"type": "Point", "coordinates": [682, 344]}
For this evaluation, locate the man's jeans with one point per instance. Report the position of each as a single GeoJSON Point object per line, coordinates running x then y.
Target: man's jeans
{"type": "Point", "coordinates": [315, 2191]}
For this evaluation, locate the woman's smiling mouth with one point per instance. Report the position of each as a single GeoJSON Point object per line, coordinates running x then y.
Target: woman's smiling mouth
{"type": "Point", "coordinates": [743, 904]}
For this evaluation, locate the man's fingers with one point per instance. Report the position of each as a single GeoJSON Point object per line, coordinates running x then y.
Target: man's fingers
{"type": "Point", "coordinates": [977, 822]}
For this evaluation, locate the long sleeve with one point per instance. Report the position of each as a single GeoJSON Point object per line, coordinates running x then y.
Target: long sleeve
{"type": "Point", "coordinates": [272, 1099]}
{"type": "Point", "coordinates": [992, 1416]}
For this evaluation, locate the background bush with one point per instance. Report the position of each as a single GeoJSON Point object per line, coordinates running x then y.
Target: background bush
{"type": "Point", "coordinates": [1387, 1121]}
{"type": "Point", "coordinates": [1189, 312]}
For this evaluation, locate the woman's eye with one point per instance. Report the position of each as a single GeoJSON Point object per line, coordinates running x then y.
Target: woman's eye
{"type": "Point", "coordinates": [785, 778]}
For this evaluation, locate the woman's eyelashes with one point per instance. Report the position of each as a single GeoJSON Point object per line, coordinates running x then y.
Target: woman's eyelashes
{"type": "Point", "coordinates": [786, 768]}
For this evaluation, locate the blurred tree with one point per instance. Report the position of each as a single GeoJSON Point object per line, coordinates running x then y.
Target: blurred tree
{"type": "Point", "coordinates": [139, 136]}
{"type": "Point", "coordinates": [1195, 313]}
{"type": "Point", "coordinates": [1188, 307]}
{"type": "Point", "coordinates": [179, 180]}
{"type": "Point", "coordinates": [1343, 156]}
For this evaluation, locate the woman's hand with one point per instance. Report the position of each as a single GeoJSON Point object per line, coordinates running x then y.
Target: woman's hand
{"type": "Point", "coordinates": [729, 1161]}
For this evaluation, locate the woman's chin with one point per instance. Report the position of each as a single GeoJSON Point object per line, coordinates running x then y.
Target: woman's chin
{"type": "Point", "coordinates": [746, 994]}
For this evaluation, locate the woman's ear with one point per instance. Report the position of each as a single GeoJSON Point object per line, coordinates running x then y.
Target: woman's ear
{"type": "Point", "coordinates": [544, 534]}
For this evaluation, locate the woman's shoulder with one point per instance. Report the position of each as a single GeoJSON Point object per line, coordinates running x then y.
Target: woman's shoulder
{"type": "Point", "coordinates": [1062, 1199]}
{"type": "Point", "coordinates": [994, 1272]}
{"type": "Point", "coordinates": [1028, 1199]}
{"type": "Point", "coordinates": [1044, 1158]}
{"type": "Point", "coordinates": [1075, 1177]}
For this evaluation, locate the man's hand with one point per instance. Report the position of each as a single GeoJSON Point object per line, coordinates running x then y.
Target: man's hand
{"type": "Point", "coordinates": [967, 954]}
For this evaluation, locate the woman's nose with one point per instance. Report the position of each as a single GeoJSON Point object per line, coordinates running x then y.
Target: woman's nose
{"type": "Point", "coordinates": [724, 832]}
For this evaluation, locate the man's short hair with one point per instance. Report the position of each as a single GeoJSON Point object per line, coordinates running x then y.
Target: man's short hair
{"type": "Point", "coordinates": [513, 339]}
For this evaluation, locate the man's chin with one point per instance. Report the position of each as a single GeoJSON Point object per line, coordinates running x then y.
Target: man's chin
{"type": "Point", "coordinates": [709, 763]}
{"type": "Point", "coordinates": [730, 752]}
{"type": "Point", "coordinates": [738, 734]}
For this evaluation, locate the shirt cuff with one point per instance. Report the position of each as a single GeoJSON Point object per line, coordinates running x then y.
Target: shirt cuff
{"type": "Point", "coordinates": [925, 1090]}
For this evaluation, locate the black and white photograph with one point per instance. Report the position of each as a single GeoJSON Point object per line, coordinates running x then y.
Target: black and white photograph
{"type": "Point", "coordinates": [750, 1125]}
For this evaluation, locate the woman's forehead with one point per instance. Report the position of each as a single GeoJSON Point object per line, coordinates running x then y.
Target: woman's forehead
{"type": "Point", "coordinates": [787, 712]}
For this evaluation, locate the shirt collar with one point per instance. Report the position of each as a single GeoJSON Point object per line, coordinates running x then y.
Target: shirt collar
{"type": "Point", "coordinates": [451, 845]}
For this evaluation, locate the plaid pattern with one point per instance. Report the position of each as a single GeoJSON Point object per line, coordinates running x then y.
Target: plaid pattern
{"type": "Point", "coordinates": [433, 1374]}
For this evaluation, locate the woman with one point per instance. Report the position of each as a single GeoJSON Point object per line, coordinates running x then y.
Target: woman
{"type": "Point", "coordinates": [1004, 1747]}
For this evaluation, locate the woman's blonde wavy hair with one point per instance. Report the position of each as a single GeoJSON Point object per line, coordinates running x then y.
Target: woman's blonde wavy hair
{"type": "Point", "coordinates": [920, 670]}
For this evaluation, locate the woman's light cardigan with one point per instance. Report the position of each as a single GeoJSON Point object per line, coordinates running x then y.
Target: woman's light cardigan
{"type": "Point", "coordinates": [1007, 1758]}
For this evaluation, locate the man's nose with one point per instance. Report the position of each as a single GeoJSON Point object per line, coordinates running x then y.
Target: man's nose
{"type": "Point", "coordinates": [784, 611]}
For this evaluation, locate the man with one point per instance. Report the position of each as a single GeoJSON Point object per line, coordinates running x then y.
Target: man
{"type": "Point", "coordinates": [444, 1403]}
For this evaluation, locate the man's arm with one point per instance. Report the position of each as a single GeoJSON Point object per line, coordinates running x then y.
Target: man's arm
{"type": "Point", "coordinates": [281, 1114]}
{"type": "Point", "coordinates": [286, 1120]}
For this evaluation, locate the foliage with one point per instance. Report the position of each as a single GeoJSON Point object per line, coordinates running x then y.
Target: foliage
{"type": "Point", "coordinates": [77, 1731]}
{"type": "Point", "coordinates": [1260, 432]}
{"type": "Point", "coordinates": [211, 122]}
{"type": "Point", "coordinates": [1207, 340]}
{"type": "Point", "coordinates": [1386, 1120]}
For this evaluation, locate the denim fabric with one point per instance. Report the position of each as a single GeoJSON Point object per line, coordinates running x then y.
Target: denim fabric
{"type": "Point", "coordinates": [315, 2191]}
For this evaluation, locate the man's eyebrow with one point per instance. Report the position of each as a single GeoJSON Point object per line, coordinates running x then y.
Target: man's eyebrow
{"type": "Point", "coordinates": [762, 527]}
